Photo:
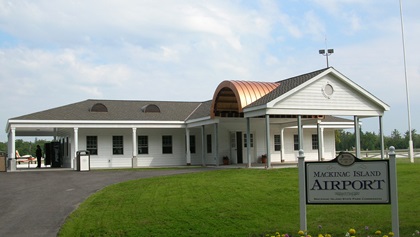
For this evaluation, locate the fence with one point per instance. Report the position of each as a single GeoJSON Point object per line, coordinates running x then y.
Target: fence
{"type": "Point", "coordinates": [400, 153]}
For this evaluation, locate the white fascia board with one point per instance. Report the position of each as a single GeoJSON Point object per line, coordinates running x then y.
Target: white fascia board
{"type": "Point", "coordinates": [343, 126]}
{"type": "Point", "coordinates": [255, 112]}
{"type": "Point", "coordinates": [335, 112]}
{"type": "Point", "coordinates": [310, 123]}
{"type": "Point", "coordinates": [95, 124]}
{"type": "Point", "coordinates": [198, 120]}
{"type": "Point", "coordinates": [201, 122]}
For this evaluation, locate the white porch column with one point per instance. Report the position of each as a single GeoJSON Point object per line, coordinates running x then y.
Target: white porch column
{"type": "Point", "coordinates": [267, 134]}
{"type": "Point", "coordinates": [11, 161]}
{"type": "Point", "coordinates": [357, 135]}
{"type": "Point", "coordinates": [282, 144]}
{"type": "Point", "coordinates": [381, 136]}
{"type": "Point", "coordinates": [322, 143]}
{"type": "Point", "coordinates": [320, 131]}
{"type": "Point", "coordinates": [203, 145]}
{"type": "Point", "coordinates": [216, 143]}
{"type": "Point", "coordinates": [187, 136]}
{"type": "Point", "coordinates": [248, 141]}
{"type": "Point", "coordinates": [300, 132]}
{"type": "Point", "coordinates": [134, 160]}
{"type": "Point", "coordinates": [76, 147]}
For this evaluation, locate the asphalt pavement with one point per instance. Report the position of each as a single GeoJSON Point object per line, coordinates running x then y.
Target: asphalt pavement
{"type": "Point", "coordinates": [37, 203]}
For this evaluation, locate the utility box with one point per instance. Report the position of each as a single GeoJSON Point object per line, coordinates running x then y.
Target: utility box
{"type": "Point", "coordinates": [83, 160]}
{"type": "Point", "coordinates": [3, 166]}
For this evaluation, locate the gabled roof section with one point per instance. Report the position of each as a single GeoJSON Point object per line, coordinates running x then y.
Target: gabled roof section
{"type": "Point", "coordinates": [231, 97]}
{"type": "Point", "coordinates": [322, 92]}
{"type": "Point", "coordinates": [285, 86]}
{"type": "Point", "coordinates": [118, 110]}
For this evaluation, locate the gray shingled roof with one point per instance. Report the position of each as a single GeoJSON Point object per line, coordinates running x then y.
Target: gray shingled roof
{"type": "Point", "coordinates": [118, 110]}
{"type": "Point", "coordinates": [285, 86]}
{"type": "Point", "coordinates": [202, 111]}
{"type": "Point", "coordinates": [170, 111]}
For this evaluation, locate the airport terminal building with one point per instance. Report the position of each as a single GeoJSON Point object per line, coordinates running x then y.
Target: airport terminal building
{"type": "Point", "coordinates": [244, 122]}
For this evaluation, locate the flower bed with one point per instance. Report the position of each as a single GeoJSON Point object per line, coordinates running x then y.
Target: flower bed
{"type": "Point", "coordinates": [350, 233]}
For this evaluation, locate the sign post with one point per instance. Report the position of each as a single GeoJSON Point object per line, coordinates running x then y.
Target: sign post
{"type": "Point", "coordinates": [394, 192]}
{"type": "Point", "coordinates": [349, 180]}
{"type": "Point", "coordinates": [302, 190]}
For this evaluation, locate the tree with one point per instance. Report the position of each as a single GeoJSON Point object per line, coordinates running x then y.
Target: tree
{"type": "Point", "coordinates": [344, 141]}
{"type": "Point", "coordinates": [3, 147]}
{"type": "Point", "coordinates": [396, 140]}
{"type": "Point", "coordinates": [24, 147]}
{"type": "Point", "coordinates": [369, 141]}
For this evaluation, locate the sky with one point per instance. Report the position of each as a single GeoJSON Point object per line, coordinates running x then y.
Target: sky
{"type": "Point", "coordinates": [54, 53]}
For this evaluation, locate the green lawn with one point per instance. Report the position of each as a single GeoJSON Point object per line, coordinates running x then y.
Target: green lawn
{"type": "Point", "coordinates": [233, 202]}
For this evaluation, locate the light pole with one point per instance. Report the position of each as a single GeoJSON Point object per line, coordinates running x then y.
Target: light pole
{"type": "Point", "coordinates": [326, 54]}
{"type": "Point", "coordinates": [410, 142]}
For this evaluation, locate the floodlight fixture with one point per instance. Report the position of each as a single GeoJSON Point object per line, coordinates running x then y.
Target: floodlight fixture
{"type": "Point", "coordinates": [326, 53]}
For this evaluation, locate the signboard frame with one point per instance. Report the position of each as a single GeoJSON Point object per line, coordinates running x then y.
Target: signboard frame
{"type": "Point", "coordinates": [351, 180]}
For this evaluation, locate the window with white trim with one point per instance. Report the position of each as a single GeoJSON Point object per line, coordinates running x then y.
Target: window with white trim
{"type": "Point", "coordinates": [143, 145]}
{"type": "Point", "coordinates": [92, 145]}
{"type": "Point", "coordinates": [117, 145]}
{"type": "Point", "coordinates": [277, 143]}
{"type": "Point", "coordinates": [314, 141]}
{"type": "Point", "coordinates": [167, 144]}
{"type": "Point", "coordinates": [251, 139]}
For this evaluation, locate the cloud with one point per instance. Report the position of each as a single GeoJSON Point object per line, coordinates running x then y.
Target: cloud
{"type": "Point", "coordinates": [314, 26]}
{"type": "Point", "coordinates": [57, 52]}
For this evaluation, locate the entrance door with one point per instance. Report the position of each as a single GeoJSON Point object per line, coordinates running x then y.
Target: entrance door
{"type": "Point", "coordinates": [251, 148]}
{"type": "Point", "coordinates": [238, 147]}
{"type": "Point", "coordinates": [239, 153]}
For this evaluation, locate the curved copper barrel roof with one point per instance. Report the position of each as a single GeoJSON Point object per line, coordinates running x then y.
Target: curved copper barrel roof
{"type": "Point", "coordinates": [233, 96]}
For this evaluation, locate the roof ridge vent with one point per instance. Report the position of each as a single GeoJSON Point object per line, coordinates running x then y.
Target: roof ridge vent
{"type": "Point", "coordinates": [150, 108]}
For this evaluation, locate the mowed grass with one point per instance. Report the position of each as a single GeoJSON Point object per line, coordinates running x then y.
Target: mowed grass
{"type": "Point", "coordinates": [233, 202]}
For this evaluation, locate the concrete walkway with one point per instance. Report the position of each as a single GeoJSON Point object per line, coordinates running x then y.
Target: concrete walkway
{"type": "Point", "coordinates": [36, 203]}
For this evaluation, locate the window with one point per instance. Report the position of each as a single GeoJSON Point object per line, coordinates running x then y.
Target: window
{"type": "Point", "coordinates": [208, 140]}
{"type": "Point", "coordinates": [277, 143]}
{"type": "Point", "coordinates": [117, 145]}
{"type": "Point", "coordinates": [167, 144]}
{"type": "Point", "coordinates": [99, 107]}
{"type": "Point", "coordinates": [314, 141]}
{"type": "Point", "coordinates": [92, 145]}
{"type": "Point", "coordinates": [150, 108]}
{"type": "Point", "coordinates": [192, 144]}
{"type": "Point", "coordinates": [296, 142]}
{"type": "Point", "coordinates": [142, 145]}
{"type": "Point", "coordinates": [251, 136]}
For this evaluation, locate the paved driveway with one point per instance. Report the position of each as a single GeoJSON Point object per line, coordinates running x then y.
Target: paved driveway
{"type": "Point", "coordinates": [37, 203]}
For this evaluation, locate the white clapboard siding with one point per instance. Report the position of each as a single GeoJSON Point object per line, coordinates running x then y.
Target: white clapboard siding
{"type": "Point", "coordinates": [96, 162]}
{"type": "Point", "coordinates": [343, 99]}
{"type": "Point", "coordinates": [155, 157]}
{"type": "Point", "coordinates": [310, 154]}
